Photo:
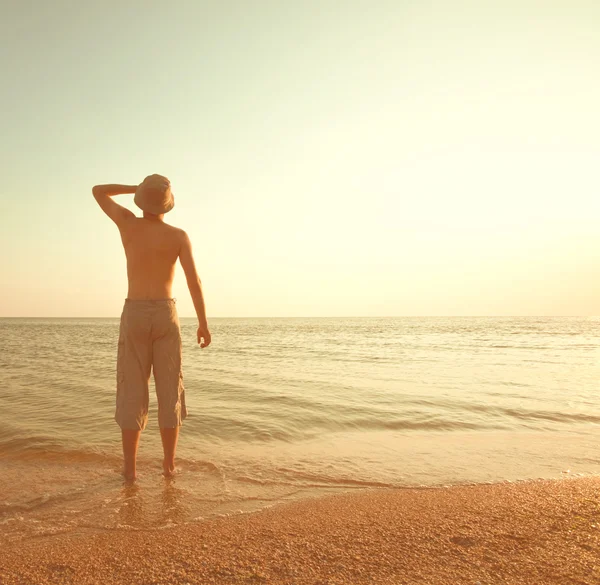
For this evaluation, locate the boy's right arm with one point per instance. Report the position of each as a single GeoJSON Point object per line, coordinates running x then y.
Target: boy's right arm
{"type": "Point", "coordinates": [193, 280]}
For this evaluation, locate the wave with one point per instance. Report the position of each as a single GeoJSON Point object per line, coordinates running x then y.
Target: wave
{"type": "Point", "coordinates": [417, 416]}
{"type": "Point", "coordinates": [43, 448]}
{"type": "Point", "coordinates": [528, 415]}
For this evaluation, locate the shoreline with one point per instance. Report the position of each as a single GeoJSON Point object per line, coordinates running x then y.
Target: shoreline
{"type": "Point", "coordinates": [530, 532]}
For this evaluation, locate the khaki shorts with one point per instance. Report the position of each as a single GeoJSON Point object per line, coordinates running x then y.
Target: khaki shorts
{"type": "Point", "coordinates": [149, 338]}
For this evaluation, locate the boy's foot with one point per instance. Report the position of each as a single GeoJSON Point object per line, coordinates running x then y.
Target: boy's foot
{"type": "Point", "coordinates": [168, 469]}
{"type": "Point", "coordinates": [129, 476]}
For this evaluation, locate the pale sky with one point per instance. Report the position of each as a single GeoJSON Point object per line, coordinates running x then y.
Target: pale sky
{"type": "Point", "coordinates": [328, 158]}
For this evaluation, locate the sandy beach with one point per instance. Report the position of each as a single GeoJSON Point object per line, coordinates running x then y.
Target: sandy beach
{"type": "Point", "coordinates": [537, 532]}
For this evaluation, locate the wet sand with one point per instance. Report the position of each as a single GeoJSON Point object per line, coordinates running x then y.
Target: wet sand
{"type": "Point", "coordinates": [538, 533]}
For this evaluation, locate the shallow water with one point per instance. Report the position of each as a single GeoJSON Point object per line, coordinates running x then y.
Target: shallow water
{"type": "Point", "coordinates": [289, 408]}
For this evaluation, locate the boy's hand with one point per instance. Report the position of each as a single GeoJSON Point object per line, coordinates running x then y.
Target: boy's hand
{"type": "Point", "coordinates": [203, 336]}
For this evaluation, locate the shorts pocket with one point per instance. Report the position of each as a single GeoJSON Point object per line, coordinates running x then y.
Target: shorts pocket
{"type": "Point", "coordinates": [182, 406]}
{"type": "Point", "coordinates": [120, 374]}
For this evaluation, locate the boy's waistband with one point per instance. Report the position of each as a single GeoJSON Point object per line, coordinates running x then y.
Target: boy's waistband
{"type": "Point", "coordinates": [149, 301]}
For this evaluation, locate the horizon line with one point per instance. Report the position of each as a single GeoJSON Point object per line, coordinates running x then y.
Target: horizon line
{"type": "Point", "coordinates": [321, 317]}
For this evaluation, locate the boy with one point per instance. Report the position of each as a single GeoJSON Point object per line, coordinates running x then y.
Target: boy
{"type": "Point", "coordinates": [149, 335]}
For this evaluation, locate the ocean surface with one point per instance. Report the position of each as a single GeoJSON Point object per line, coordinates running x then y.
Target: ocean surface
{"type": "Point", "coordinates": [281, 409]}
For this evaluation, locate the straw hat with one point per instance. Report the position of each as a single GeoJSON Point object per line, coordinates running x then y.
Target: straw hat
{"type": "Point", "coordinates": [154, 195]}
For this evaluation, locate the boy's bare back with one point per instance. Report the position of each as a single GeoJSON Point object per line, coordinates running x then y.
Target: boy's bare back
{"type": "Point", "coordinates": [152, 248]}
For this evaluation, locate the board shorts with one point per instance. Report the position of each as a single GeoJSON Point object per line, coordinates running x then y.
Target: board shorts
{"type": "Point", "coordinates": [149, 339]}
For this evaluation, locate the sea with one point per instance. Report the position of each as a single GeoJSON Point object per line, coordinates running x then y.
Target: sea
{"type": "Point", "coordinates": [283, 409]}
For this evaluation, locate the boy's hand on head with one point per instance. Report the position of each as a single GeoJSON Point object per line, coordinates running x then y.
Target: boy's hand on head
{"type": "Point", "coordinates": [204, 336]}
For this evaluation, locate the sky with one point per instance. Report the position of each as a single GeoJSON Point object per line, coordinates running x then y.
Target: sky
{"type": "Point", "coordinates": [356, 158]}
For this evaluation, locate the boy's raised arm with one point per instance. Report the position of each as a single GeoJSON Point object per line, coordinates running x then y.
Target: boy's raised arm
{"type": "Point", "coordinates": [116, 212]}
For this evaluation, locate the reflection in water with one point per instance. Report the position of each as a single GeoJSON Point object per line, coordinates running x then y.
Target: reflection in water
{"type": "Point", "coordinates": [173, 508]}
{"type": "Point", "coordinates": [144, 507]}
{"type": "Point", "coordinates": [131, 510]}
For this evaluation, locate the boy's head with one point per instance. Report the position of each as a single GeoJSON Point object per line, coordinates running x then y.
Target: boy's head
{"type": "Point", "coordinates": [154, 195]}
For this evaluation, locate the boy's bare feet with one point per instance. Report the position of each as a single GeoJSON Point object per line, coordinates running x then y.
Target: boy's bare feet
{"type": "Point", "coordinates": [169, 468]}
{"type": "Point", "coordinates": [131, 440]}
{"type": "Point", "coordinates": [169, 441]}
{"type": "Point", "coordinates": [129, 476]}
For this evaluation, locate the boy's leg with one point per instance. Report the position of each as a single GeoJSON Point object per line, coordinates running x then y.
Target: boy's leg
{"type": "Point", "coordinates": [169, 440]}
{"type": "Point", "coordinates": [131, 440]}
{"type": "Point", "coordinates": [134, 362]}
{"type": "Point", "coordinates": [166, 351]}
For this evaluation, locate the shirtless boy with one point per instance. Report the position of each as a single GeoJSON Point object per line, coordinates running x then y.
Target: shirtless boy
{"type": "Point", "coordinates": [149, 336]}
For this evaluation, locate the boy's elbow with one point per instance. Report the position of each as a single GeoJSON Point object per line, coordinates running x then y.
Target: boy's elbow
{"type": "Point", "coordinates": [99, 191]}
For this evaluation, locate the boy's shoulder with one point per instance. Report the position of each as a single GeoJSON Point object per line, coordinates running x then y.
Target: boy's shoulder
{"type": "Point", "coordinates": [177, 235]}
{"type": "Point", "coordinates": [174, 229]}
